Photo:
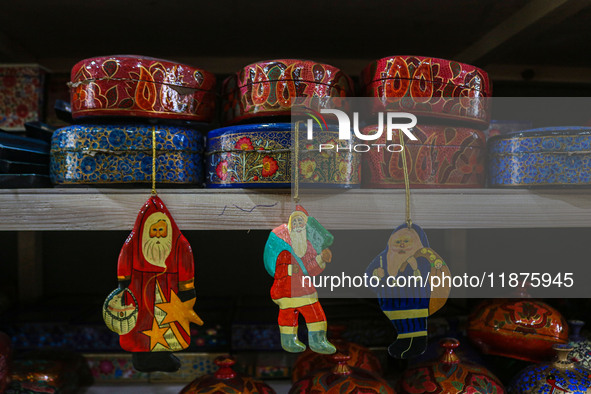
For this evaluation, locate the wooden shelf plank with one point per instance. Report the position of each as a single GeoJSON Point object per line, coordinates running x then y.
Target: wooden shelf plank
{"type": "Point", "coordinates": [205, 209]}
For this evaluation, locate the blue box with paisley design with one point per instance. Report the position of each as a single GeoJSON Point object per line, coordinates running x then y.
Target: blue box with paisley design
{"type": "Point", "coordinates": [103, 155]}
{"type": "Point", "coordinates": [546, 157]}
{"type": "Point", "coordinates": [260, 156]}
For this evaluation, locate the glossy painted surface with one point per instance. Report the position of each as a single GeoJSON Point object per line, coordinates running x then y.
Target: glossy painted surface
{"type": "Point", "coordinates": [155, 272]}
{"type": "Point", "coordinates": [449, 375]}
{"type": "Point", "coordinates": [21, 89]}
{"type": "Point", "coordinates": [122, 154]}
{"type": "Point", "coordinates": [524, 329]}
{"type": "Point", "coordinates": [138, 86]}
{"type": "Point", "coordinates": [260, 156]}
{"type": "Point", "coordinates": [429, 87]}
{"type": "Point", "coordinates": [269, 88]}
{"type": "Point", "coordinates": [558, 376]}
{"type": "Point", "coordinates": [445, 157]}
{"type": "Point", "coordinates": [581, 353]}
{"type": "Point", "coordinates": [226, 380]}
{"type": "Point", "coordinates": [359, 357]}
{"type": "Point", "coordinates": [558, 156]}
{"type": "Point", "coordinates": [341, 378]}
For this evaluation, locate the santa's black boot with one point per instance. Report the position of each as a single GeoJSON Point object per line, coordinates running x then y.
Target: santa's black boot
{"type": "Point", "coordinates": [155, 361]}
{"type": "Point", "coordinates": [408, 347]}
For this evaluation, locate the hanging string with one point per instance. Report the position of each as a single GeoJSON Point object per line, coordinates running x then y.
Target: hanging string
{"type": "Point", "coordinates": [406, 182]}
{"type": "Point", "coordinates": [296, 162]}
{"type": "Point", "coordinates": [154, 161]}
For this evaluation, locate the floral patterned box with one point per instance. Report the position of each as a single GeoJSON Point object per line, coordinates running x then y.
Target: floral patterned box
{"type": "Point", "coordinates": [431, 87]}
{"type": "Point", "coordinates": [552, 156]}
{"type": "Point", "coordinates": [109, 367]}
{"type": "Point", "coordinates": [260, 156]}
{"type": "Point", "coordinates": [21, 95]}
{"type": "Point", "coordinates": [122, 154]}
{"type": "Point", "coordinates": [442, 157]}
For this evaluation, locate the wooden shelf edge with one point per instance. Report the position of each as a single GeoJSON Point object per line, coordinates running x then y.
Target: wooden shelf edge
{"type": "Point", "coordinates": [237, 209]}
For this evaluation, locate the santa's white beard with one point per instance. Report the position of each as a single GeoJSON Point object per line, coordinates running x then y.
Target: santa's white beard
{"type": "Point", "coordinates": [299, 242]}
{"type": "Point", "coordinates": [156, 250]}
{"type": "Point", "coordinates": [395, 259]}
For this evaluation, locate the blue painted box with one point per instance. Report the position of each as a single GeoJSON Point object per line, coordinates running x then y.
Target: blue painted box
{"type": "Point", "coordinates": [122, 154]}
{"type": "Point", "coordinates": [552, 156]}
{"type": "Point", "coordinates": [260, 156]}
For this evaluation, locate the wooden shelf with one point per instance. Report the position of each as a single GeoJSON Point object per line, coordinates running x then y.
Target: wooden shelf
{"type": "Point", "coordinates": [206, 209]}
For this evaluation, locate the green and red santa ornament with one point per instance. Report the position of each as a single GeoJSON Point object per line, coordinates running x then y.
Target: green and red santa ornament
{"type": "Point", "coordinates": [293, 251]}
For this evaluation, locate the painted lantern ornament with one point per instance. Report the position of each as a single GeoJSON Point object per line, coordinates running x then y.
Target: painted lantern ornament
{"type": "Point", "coordinates": [294, 250]}
{"type": "Point", "coordinates": [359, 357]}
{"type": "Point", "coordinates": [581, 353]}
{"type": "Point", "coordinates": [400, 276]}
{"type": "Point", "coordinates": [226, 380]}
{"type": "Point", "coordinates": [449, 375]}
{"type": "Point", "coordinates": [524, 329]}
{"type": "Point", "coordinates": [560, 376]}
{"type": "Point", "coordinates": [341, 378]}
{"type": "Point", "coordinates": [152, 308]}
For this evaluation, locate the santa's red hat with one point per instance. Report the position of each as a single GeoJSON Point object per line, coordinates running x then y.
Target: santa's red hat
{"type": "Point", "coordinates": [301, 209]}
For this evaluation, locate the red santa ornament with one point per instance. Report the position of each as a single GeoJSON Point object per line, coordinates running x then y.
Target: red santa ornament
{"type": "Point", "coordinates": [152, 307]}
{"type": "Point", "coordinates": [293, 251]}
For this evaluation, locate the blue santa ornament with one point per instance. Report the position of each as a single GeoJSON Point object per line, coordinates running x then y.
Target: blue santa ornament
{"type": "Point", "coordinates": [401, 276]}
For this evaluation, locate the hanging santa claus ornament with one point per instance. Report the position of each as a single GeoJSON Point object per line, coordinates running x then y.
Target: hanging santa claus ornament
{"type": "Point", "coordinates": [403, 274]}
{"type": "Point", "coordinates": [152, 307]}
{"type": "Point", "coordinates": [294, 250]}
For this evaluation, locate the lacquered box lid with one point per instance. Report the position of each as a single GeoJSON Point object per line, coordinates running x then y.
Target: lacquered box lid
{"type": "Point", "coordinates": [290, 70]}
{"type": "Point", "coordinates": [138, 137]}
{"type": "Point", "coordinates": [546, 139]}
{"type": "Point", "coordinates": [142, 68]}
{"type": "Point", "coordinates": [428, 69]}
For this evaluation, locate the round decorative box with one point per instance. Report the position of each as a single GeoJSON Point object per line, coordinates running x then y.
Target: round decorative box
{"type": "Point", "coordinates": [449, 375]}
{"type": "Point", "coordinates": [341, 378]}
{"type": "Point", "coordinates": [429, 87]}
{"type": "Point", "coordinates": [122, 154]}
{"type": "Point", "coordinates": [552, 156]}
{"type": "Point", "coordinates": [359, 357]}
{"type": "Point", "coordinates": [442, 156]}
{"type": "Point", "coordinates": [226, 380]}
{"type": "Point", "coordinates": [581, 353]}
{"type": "Point", "coordinates": [524, 329]}
{"type": "Point", "coordinates": [130, 85]}
{"type": "Point", "coordinates": [560, 376]}
{"type": "Point", "coordinates": [269, 88]}
{"type": "Point", "coordinates": [260, 156]}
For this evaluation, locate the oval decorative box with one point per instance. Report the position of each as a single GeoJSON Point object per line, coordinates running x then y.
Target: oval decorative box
{"type": "Point", "coordinates": [430, 87]}
{"type": "Point", "coordinates": [341, 378]}
{"type": "Point", "coordinates": [138, 86]}
{"type": "Point", "coordinates": [122, 154]}
{"type": "Point", "coordinates": [449, 375]}
{"type": "Point", "coordinates": [552, 156]}
{"type": "Point", "coordinates": [226, 380]}
{"type": "Point", "coordinates": [524, 329]}
{"type": "Point", "coordinates": [441, 157]}
{"type": "Point", "coordinates": [268, 88]}
{"type": "Point", "coordinates": [259, 156]}
{"type": "Point", "coordinates": [558, 376]}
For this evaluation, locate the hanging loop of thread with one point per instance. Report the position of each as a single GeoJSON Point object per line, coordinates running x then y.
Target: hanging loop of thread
{"type": "Point", "coordinates": [296, 163]}
{"type": "Point", "coordinates": [406, 181]}
{"type": "Point", "coordinates": [154, 193]}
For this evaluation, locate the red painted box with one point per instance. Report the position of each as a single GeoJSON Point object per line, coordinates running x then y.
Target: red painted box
{"type": "Point", "coordinates": [430, 87]}
{"type": "Point", "coordinates": [269, 88]}
{"type": "Point", "coordinates": [137, 86]}
{"type": "Point", "coordinates": [442, 157]}
{"type": "Point", "coordinates": [21, 95]}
